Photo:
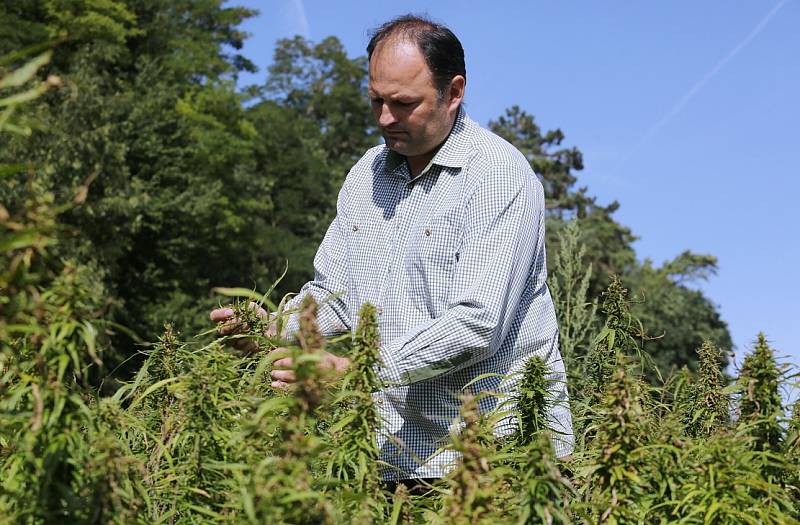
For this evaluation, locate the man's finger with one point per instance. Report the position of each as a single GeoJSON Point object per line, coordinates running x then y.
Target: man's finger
{"type": "Point", "coordinates": [283, 363]}
{"type": "Point", "coordinates": [281, 385]}
{"type": "Point", "coordinates": [221, 314]}
{"type": "Point", "coordinates": [258, 310]}
{"type": "Point", "coordinates": [283, 375]}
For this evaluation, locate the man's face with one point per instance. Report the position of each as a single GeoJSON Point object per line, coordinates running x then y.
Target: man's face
{"type": "Point", "coordinates": [406, 105]}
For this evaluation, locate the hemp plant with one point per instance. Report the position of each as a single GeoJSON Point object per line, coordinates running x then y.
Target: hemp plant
{"type": "Point", "coordinates": [187, 399]}
{"type": "Point", "coordinates": [793, 431]}
{"type": "Point", "coordinates": [109, 472]}
{"type": "Point", "coordinates": [569, 286]}
{"type": "Point", "coordinates": [618, 337]}
{"type": "Point", "coordinates": [475, 483]}
{"type": "Point", "coordinates": [44, 396]}
{"type": "Point", "coordinates": [721, 480]}
{"type": "Point", "coordinates": [283, 487]}
{"type": "Point", "coordinates": [792, 453]}
{"type": "Point", "coordinates": [532, 400]}
{"type": "Point", "coordinates": [619, 334]}
{"type": "Point", "coordinates": [708, 409]}
{"type": "Point", "coordinates": [51, 343]}
{"type": "Point", "coordinates": [354, 461]}
{"type": "Point", "coordinates": [679, 388]}
{"type": "Point", "coordinates": [402, 507]}
{"type": "Point", "coordinates": [616, 488]}
{"type": "Point", "coordinates": [760, 408]}
{"type": "Point", "coordinates": [542, 492]}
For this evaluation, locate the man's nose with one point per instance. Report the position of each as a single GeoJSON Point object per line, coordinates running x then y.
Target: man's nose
{"type": "Point", "coordinates": [385, 117]}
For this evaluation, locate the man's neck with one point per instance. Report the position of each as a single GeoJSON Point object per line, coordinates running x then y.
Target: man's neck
{"type": "Point", "coordinates": [418, 163]}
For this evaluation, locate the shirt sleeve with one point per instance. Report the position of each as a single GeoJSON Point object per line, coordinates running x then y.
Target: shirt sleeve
{"type": "Point", "coordinates": [503, 235]}
{"type": "Point", "coordinates": [330, 281]}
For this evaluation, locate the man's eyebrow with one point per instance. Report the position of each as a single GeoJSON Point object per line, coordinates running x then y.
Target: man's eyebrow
{"type": "Point", "coordinates": [395, 96]}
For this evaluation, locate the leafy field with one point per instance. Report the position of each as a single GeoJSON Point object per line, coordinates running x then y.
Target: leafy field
{"type": "Point", "coordinates": [199, 437]}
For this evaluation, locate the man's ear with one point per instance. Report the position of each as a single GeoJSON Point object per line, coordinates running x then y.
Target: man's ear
{"type": "Point", "coordinates": [455, 91]}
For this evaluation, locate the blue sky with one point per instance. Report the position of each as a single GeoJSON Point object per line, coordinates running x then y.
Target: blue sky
{"type": "Point", "coordinates": [686, 112]}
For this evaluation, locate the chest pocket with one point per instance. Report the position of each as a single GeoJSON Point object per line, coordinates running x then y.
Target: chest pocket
{"type": "Point", "coordinates": [368, 256]}
{"type": "Point", "coordinates": [432, 256]}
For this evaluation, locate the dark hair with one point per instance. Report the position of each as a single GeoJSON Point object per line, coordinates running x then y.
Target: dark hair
{"type": "Point", "coordinates": [439, 46]}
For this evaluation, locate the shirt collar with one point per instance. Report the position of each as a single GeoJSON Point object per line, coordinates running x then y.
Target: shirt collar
{"type": "Point", "coordinates": [453, 153]}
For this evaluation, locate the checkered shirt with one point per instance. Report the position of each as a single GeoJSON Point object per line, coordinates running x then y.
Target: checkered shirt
{"type": "Point", "coordinates": [454, 260]}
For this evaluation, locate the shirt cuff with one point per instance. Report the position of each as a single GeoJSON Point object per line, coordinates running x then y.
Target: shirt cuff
{"type": "Point", "coordinates": [388, 372]}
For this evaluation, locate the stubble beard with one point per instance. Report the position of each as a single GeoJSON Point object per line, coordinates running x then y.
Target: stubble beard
{"type": "Point", "coordinates": [409, 145]}
{"type": "Point", "coordinates": [401, 145]}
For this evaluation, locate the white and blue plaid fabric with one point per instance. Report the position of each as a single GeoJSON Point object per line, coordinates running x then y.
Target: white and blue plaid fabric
{"type": "Point", "coordinates": [454, 260]}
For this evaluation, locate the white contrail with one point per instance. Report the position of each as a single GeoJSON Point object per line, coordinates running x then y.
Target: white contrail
{"type": "Point", "coordinates": [700, 84]}
{"type": "Point", "coordinates": [302, 19]}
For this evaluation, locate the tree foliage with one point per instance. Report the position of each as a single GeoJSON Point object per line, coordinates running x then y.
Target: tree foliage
{"type": "Point", "coordinates": [192, 184]}
{"type": "Point", "coordinates": [188, 187]}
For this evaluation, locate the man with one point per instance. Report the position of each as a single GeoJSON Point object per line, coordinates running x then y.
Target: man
{"type": "Point", "coordinates": [442, 228]}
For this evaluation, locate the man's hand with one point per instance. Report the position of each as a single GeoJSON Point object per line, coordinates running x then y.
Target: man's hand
{"type": "Point", "coordinates": [233, 325]}
{"type": "Point", "coordinates": [283, 376]}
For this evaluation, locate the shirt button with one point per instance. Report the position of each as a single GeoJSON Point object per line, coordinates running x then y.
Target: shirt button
{"type": "Point", "coordinates": [355, 227]}
{"type": "Point", "coordinates": [427, 232]}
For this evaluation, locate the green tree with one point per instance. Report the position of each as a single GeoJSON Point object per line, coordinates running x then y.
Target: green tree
{"type": "Point", "coordinates": [323, 84]}
{"type": "Point", "coordinates": [191, 184]}
{"type": "Point", "coordinates": [313, 122]}
{"type": "Point", "coordinates": [190, 187]}
{"type": "Point", "coordinates": [677, 315]}
{"type": "Point", "coordinates": [150, 117]}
